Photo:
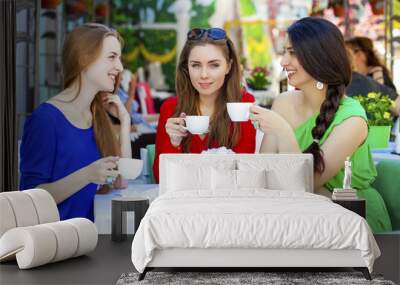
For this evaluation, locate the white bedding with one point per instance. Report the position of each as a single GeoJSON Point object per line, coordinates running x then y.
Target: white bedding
{"type": "Point", "coordinates": [252, 218]}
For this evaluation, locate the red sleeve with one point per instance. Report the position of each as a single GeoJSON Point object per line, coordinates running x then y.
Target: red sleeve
{"type": "Point", "coordinates": [247, 138]}
{"type": "Point", "coordinates": [247, 97]}
{"type": "Point", "coordinates": [163, 142]}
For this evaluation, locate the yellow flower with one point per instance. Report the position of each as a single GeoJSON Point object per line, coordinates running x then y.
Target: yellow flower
{"type": "Point", "coordinates": [371, 95]}
{"type": "Point", "coordinates": [386, 115]}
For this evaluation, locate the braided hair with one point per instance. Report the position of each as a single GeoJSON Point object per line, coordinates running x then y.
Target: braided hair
{"type": "Point", "coordinates": [320, 49]}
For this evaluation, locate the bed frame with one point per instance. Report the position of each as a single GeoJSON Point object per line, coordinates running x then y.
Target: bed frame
{"type": "Point", "coordinates": [247, 259]}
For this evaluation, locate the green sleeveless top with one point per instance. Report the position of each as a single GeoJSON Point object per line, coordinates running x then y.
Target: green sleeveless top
{"type": "Point", "coordinates": [362, 165]}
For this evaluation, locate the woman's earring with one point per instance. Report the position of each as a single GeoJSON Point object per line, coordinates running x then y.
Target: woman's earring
{"type": "Point", "coordinates": [320, 85]}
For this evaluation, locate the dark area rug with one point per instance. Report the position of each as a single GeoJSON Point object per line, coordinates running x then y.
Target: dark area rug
{"type": "Point", "coordinates": [243, 278]}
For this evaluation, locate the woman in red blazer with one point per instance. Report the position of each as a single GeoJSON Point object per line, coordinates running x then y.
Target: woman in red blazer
{"type": "Point", "coordinates": [207, 77]}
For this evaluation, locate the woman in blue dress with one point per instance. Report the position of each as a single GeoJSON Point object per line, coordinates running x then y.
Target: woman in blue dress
{"type": "Point", "coordinates": [68, 146]}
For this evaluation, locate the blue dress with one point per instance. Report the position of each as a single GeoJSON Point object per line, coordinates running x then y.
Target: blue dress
{"type": "Point", "coordinates": [51, 149]}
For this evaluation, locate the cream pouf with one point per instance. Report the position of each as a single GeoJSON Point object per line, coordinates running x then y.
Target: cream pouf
{"type": "Point", "coordinates": [31, 232]}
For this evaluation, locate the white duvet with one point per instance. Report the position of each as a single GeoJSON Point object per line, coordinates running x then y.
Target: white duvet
{"type": "Point", "coordinates": [250, 219]}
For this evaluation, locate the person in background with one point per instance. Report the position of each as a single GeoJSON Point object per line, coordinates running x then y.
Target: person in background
{"type": "Point", "coordinates": [362, 85]}
{"type": "Point", "coordinates": [68, 147]}
{"type": "Point", "coordinates": [126, 93]}
{"type": "Point", "coordinates": [319, 119]}
{"type": "Point", "coordinates": [207, 77]}
{"type": "Point", "coordinates": [367, 62]}
{"type": "Point", "coordinates": [143, 128]}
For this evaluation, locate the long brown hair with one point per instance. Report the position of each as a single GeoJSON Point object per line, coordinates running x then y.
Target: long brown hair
{"type": "Point", "coordinates": [366, 45]}
{"type": "Point", "coordinates": [189, 102]}
{"type": "Point", "coordinates": [81, 48]}
{"type": "Point", "coordinates": [320, 49]}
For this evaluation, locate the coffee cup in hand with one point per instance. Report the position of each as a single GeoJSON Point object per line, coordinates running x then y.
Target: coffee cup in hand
{"type": "Point", "coordinates": [197, 125]}
{"type": "Point", "coordinates": [130, 168]}
{"type": "Point", "coordinates": [239, 111]}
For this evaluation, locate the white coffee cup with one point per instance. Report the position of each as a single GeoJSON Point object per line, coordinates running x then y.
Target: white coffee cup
{"type": "Point", "coordinates": [197, 125]}
{"type": "Point", "coordinates": [130, 168]}
{"type": "Point", "coordinates": [238, 111]}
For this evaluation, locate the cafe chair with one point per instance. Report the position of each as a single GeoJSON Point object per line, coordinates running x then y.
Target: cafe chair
{"type": "Point", "coordinates": [388, 185]}
{"type": "Point", "coordinates": [148, 155]}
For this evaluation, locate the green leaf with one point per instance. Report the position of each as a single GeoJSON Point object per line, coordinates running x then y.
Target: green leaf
{"type": "Point", "coordinates": [375, 105]}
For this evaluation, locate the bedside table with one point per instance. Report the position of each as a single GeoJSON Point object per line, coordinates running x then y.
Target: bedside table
{"type": "Point", "coordinates": [355, 205]}
{"type": "Point", "coordinates": [121, 205]}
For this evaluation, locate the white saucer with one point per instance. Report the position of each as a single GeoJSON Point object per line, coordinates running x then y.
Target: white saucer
{"type": "Point", "coordinates": [199, 133]}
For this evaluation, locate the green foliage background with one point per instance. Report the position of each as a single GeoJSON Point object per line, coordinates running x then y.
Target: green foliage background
{"type": "Point", "coordinates": [131, 41]}
{"type": "Point", "coordinates": [161, 42]}
{"type": "Point", "coordinates": [377, 107]}
{"type": "Point", "coordinates": [201, 14]}
{"type": "Point", "coordinates": [126, 13]}
{"type": "Point", "coordinates": [253, 36]}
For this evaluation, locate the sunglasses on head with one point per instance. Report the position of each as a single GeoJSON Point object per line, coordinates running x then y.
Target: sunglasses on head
{"type": "Point", "coordinates": [99, 26]}
{"type": "Point", "coordinates": [212, 33]}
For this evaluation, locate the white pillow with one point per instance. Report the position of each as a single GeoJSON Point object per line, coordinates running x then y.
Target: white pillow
{"type": "Point", "coordinates": [251, 178]}
{"type": "Point", "coordinates": [226, 179]}
{"type": "Point", "coordinates": [223, 179]}
{"type": "Point", "coordinates": [293, 180]}
{"type": "Point", "coordinates": [188, 177]}
{"type": "Point", "coordinates": [280, 174]}
{"type": "Point", "coordinates": [194, 175]}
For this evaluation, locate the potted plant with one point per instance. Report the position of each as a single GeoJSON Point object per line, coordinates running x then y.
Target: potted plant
{"type": "Point", "coordinates": [338, 7]}
{"type": "Point", "coordinates": [75, 8]}
{"type": "Point", "coordinates": [102, 10]}
{"type": "Point", "coordinates": [377, 7]}
{"type": "Point", "coordinates": [259, 82]}
{"type": "Point", "coordinates": [50, 4]}
{"type": "Point", "coordinates": [258, 79]}
{"type": "Point", "coordinates": [377, 107]}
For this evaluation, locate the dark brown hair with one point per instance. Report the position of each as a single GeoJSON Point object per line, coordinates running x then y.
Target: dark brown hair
{"type": "Point", "coordinates": [188, 99]}
{"type": "Point", "coordinates": [366, 45]}
{"type": "Point", "coordinates": [320, 49]}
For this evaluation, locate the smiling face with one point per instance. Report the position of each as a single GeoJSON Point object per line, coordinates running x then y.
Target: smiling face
{"type": "Point", "coordinates": [207, 67]}
{"type": "Point", "coordinates": [103, 72]}
{"type": "Point", "coordinates": [297, 76]}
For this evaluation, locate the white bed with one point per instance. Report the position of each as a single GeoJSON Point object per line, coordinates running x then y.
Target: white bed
{"type": "Point", "coordinates": [221, 211]}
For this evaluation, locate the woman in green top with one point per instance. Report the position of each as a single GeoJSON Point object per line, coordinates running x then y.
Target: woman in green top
{"type": "Point", "coordinates": [318, 119]}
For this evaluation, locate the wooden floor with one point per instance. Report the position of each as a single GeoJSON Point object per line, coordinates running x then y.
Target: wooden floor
{"type": "Point", "coordinates": [110, 259]}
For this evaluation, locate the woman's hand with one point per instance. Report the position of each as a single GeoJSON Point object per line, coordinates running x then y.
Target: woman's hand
{"type": "Point", "coordinates": [175, 129]}
{"type": "Point", "coordinates": [377, 73]}
{"type": "Point", "coordinates": [120, 183]}
{"type": "Point", "coordinates": [268, 121]}
{"type": "Point", "coordinates": [98, 171]}
{"type": "Point", "coordinates": [114, 106]}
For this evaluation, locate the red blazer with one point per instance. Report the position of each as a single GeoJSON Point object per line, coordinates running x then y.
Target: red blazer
{"type": "Point", "coordinates": [246, 142]}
